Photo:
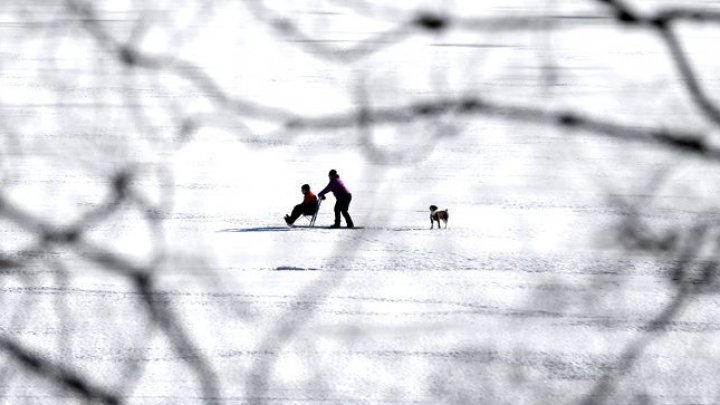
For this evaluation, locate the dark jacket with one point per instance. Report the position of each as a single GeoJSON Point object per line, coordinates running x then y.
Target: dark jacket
{"type": "Point", "coordinates": [336, 186]}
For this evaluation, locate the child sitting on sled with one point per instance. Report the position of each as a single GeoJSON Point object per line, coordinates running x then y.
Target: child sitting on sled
{"type": "Point", "coordinates": [306, 207]}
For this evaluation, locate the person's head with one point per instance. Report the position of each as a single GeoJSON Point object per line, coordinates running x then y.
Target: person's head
{"type": "Point", "coordinates": [305, 188]}
{"type": "Point", "coordinates": [332, 173]}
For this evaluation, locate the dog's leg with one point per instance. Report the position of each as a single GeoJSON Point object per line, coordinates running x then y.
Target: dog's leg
{"type": "Point", "coordinates": [432, 223]}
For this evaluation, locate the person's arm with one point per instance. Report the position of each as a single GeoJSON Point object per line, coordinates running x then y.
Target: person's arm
{"type": "Point", "coordinates": [325, 190]}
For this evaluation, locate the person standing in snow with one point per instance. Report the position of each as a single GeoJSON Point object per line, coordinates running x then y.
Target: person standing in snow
{"type": "Point", "coordinates": [342, 197]}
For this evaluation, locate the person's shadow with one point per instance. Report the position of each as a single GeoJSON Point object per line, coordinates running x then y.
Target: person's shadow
{"type": "Point", "coordinates": [259, 229]}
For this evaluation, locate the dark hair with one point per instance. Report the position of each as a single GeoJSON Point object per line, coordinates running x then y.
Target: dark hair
{"type": "Point", "coordinates": [332, 173]}
{"type": "Point", "coordinates": [433, 208]}
{"type": "Point", "coordinates": [305, 187]}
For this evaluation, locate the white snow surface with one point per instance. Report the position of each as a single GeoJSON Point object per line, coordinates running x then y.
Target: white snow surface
{"type": "Point", "coordinates": [530, 296]}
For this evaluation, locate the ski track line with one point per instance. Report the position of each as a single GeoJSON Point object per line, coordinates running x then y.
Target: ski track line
{"type": "Point", "coordinates": [562, 319]}
{"type": "Point", "coordinates": [555, 365]}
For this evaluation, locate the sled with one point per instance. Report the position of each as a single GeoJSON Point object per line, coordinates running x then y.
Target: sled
{"type": "Point", "coordinates": [310, 218]}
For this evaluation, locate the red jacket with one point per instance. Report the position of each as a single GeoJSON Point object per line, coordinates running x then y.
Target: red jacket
{"type": "Point", "coordinates": [309, 198]}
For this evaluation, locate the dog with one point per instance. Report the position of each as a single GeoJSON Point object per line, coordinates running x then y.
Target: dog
{"type": "Point", "coordinates": [438, 215]}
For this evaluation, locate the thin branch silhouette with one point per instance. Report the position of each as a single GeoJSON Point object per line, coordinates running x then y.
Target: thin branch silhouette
{"type": "Point", "coordinates": [57, 373]}
{"type": "Point", "coordinates": [85, 21]}
{"type": "Point", "coordinates": [72, 236]}
{"type": "Point", "coordinates": [663, 23]}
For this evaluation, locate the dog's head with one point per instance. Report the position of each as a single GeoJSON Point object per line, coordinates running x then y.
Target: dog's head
{"type": "Point", "coordinates": [433, 208]}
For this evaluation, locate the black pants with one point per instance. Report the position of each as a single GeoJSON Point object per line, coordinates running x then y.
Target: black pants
{"type": "Point", "coordinates": [301, 209]}
{"type": "Point", "coordinates": [342, 204]}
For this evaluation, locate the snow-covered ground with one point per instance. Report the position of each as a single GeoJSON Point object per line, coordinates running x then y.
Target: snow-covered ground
{"type": "Point", "coordinates": [539, 291]}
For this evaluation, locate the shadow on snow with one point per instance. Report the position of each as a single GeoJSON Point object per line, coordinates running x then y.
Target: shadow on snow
{"type": "Point", "coordinates": [258, 229]}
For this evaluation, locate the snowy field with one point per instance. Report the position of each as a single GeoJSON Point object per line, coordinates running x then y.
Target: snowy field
{"type": "Point", "coordinates": [144, 255]}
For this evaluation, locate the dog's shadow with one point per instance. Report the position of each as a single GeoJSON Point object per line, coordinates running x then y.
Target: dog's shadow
{"type": "Point", "coordinates": [258, 229]}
